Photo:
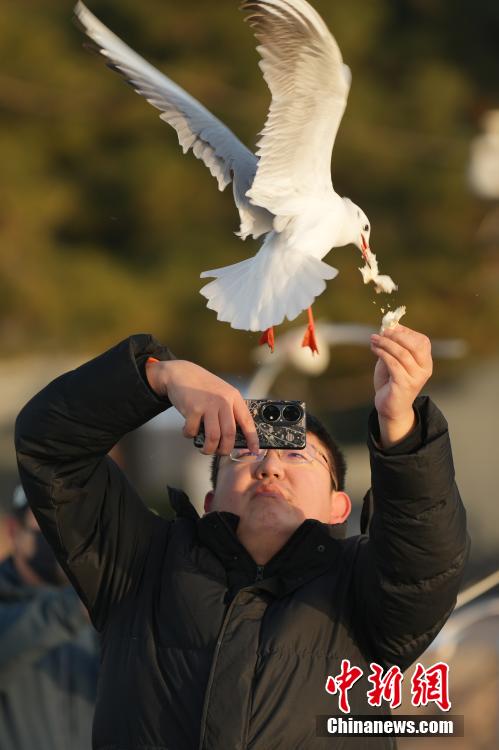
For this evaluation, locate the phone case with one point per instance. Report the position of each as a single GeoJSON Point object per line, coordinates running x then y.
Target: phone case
{"type": "Point", "coordinates": [279, 434]}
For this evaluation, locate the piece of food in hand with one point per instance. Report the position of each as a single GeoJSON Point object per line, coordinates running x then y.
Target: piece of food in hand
{"type": "Point", "coordinates": [391, 319]}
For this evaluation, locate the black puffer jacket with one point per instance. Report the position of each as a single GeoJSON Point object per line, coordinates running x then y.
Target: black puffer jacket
{"type": "Point", "coordinates": [202, 649]}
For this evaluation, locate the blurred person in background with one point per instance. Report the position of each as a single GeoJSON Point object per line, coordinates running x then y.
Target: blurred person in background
{"type": "Point", "coordinates": [5, 545]}
{"type": "Point", "coordinates": [48, 649]}
{"type": "Point", "coordinates": [220, 632]}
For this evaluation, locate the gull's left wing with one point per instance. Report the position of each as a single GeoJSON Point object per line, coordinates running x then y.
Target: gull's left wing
{"type": "Point", "coordinates": [211, 141]}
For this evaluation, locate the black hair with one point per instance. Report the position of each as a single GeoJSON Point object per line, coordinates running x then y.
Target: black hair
{"type": "Point", "coordinates": [316, 427]}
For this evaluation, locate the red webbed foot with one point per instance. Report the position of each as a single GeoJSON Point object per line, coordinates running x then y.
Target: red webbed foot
{"type": "Point", "coordinates": [309, 338]}
{"type": "Point", "coordinates": [267, 337]}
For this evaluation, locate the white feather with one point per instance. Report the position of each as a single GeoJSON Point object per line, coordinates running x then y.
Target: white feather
{"type": "Point", "coordinates": [260, 292]}
{"type": "Point", "coordinates": [285, 191]}
{"type": "Point", "coordinates": [309, 83]}
{"type": "Point", "coordinates": [197, 129]}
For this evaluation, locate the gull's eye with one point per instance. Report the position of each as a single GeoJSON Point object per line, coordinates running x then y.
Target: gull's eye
{"type": "Point", "coordinates": [366, 228]}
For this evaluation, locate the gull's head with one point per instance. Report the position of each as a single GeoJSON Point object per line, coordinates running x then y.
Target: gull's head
{"type": "Point", "coordinates": [360, 226]}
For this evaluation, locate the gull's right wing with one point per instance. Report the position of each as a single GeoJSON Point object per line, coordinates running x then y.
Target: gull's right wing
{"type": "Point", "coordinates": [303, 67]}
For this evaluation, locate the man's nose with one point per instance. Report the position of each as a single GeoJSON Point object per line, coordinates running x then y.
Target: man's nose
{"type": "Point", "coordinates": [271, 466]}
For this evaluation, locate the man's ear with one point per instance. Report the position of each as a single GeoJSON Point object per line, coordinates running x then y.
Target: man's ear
{"type": "Point", "coordinates": [208, 501]}
{"type": "Point", "coordinates": [341, 507]}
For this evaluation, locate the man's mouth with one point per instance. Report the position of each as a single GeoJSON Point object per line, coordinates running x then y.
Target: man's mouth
{"type": "Point", "coordinates": [269, 490]}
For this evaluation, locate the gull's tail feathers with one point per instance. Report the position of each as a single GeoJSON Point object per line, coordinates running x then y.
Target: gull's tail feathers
{"type": "Point", "coordinates": [260, 292]}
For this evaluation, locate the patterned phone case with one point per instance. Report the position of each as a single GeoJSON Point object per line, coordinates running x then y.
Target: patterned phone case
{"type": "Point", "coordinates": [278, 434]}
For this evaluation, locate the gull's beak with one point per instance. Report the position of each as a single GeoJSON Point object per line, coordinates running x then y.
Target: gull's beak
{"type": "Point", "coordinates": [363, 243]}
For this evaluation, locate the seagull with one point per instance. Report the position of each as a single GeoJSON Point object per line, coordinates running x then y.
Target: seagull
{"type": "Point", "coordinates": [283, 193]}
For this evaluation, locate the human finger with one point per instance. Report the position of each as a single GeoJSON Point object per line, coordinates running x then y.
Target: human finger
{"type": "Point", "coordinates": [228, 430]}
{"type": "Point", "coordinates": [417, 343]}
{"type": "Point", "coordinates": [403, 356]}
{"type": "Point", "coordinates": [211, 431]}
{"type": "Point", "coordinates": [245, 421]}
{"type": "Point", "coordinates": [192, 424]}
{"type": "Point", "coordinates": [395, 368]}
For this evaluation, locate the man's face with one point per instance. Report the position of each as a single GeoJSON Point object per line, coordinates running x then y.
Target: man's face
{"type": "Point", "coordinates": [275, 494]}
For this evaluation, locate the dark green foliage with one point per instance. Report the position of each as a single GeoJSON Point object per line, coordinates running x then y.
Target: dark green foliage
{"type": "Point", "coordinates": [105, 226]}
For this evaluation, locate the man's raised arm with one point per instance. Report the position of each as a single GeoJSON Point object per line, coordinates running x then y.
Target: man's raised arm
{"type": "Point", "coordinates": [408, 572]}
{"type": "Point", "coordinates": [94, 520]}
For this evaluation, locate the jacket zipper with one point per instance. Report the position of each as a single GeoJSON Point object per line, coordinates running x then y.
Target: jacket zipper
{"type": "Point", "coordinates": [258, 577]}
{"type": "Point", "coordinates": [259, 568]}
{"type": "Point", "coordinates": [212, 671]}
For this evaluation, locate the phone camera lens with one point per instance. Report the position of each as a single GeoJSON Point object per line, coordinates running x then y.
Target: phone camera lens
{"type": "Point", "coordinates": [271, 413]}
{"type": "Point", "coordinates": [292, 413]}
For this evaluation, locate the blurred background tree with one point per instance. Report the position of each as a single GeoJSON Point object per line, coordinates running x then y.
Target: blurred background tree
{"type": "Point", "coordinates": [105, 226]}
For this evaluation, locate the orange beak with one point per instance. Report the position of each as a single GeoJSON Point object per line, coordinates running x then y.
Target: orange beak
{"type": "Point", "coordinates": [363, 242]}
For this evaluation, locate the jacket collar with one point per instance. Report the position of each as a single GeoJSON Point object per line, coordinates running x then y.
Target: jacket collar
{"type": "Point", "coordinates": [181, 504]}
{"type": "Point", "coordinates": [309, 552]}
{"type": "Point", "coordinates": [183, 508]}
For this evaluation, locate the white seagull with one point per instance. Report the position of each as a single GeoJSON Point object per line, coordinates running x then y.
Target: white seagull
{"type": "Point", "coordinates": [285, 191]}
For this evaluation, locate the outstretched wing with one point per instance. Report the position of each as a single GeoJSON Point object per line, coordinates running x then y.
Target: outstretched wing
{"type": "Point", "coordinates": [211, 141]}
{"type": "Point", "coordinates": [309, 83]}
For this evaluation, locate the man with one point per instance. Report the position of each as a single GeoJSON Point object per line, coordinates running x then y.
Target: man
{"type": "Point", "coordinates": [48, 649]}
{"type": "Point", "coordinates": [220, 632]}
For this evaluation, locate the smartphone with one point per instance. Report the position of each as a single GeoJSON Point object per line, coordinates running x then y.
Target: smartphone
{"type": "Point", "coordinates": [279, 424]}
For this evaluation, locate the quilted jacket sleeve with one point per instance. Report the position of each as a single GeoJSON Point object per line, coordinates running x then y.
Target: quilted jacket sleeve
{"type": "Point", "coordinates": [409, 569]}
{"type": "Point", "coordinates": [94, 520]}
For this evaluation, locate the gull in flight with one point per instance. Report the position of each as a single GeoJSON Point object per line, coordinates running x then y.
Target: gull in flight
{"type": "Point", "coordinates": [284, 192]}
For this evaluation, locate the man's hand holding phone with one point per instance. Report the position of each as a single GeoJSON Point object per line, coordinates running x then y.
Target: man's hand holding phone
{"type": "Point", "coordinates": [201, 396]}
{"type": "Point", "coordinates": [279, 424]}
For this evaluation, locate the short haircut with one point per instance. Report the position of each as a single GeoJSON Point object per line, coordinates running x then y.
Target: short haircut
{"type": "Point", "coordinates": [315, 426]}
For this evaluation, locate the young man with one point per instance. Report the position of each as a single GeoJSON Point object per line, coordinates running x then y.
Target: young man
{"type": "Point", "coordinates": [272, 492]}
{"type": "Point", "coordinates": [220, 632]}
{"type": "Point", "coordinates": [48, 649]}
